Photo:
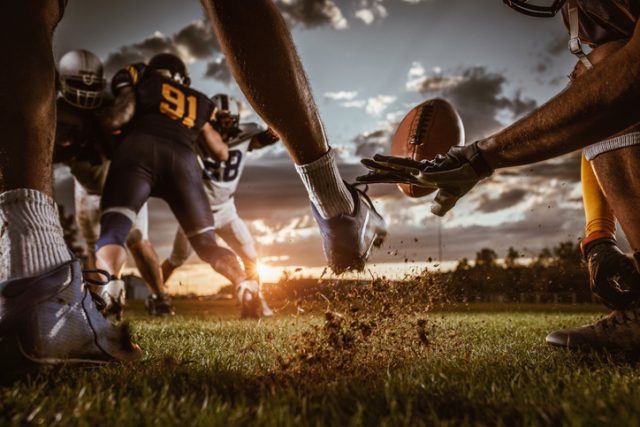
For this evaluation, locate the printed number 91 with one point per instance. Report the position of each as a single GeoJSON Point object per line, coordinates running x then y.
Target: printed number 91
{"type": "Point", "coordinates": [174, 105]}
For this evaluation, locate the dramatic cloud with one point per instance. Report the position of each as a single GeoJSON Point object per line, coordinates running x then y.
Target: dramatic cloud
{"type": "Point", "coordinates": [219, 70]}
{"type": "Point", "coordinates": [371, 10]}
{"type": "Point", "coordinates": [342, 95]}
{"type": "Point", "coordinates": [378, 104]}
{"type": "Point", "coordinates": [418, 81]}
{"type": "Point", "coordinates": [370, 143]}
{"type": "Point", "coordinates": [374, 106]}
{"type": "Point", "coordinates": [139, 52]}
{"type": "Point", "coordinates": [312, 13]}
{"type": "Point", "coordinates": [504, 200]}
{"type": "Point", "coordinates": [196, 41]}
{"type": "Point", "coordinates": [478, 95]}
{"type": "Point", "coordinates": [555, 48]}
{"type": "Point", "coordinates": [357, 103]}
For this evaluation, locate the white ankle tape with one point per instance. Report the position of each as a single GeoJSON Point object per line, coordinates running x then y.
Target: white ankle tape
{"type": "Point", "coordinates": [31, 238]}
{"type": "Point", "coordinates": [622, 141]}
{"type": "Point", "coordinates": [326, 189]}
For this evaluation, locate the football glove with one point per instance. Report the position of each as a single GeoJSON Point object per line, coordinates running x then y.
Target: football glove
{"type": "Point", "coordinates": [613, 276]}
{"type": "Point", "coordinates": [266, 138]}
{"type": "Point", "coordinates": [453, 174]}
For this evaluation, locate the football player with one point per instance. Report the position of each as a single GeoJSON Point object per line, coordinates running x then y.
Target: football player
{"type": "Point", "coordinates": [221, 175]}
{"type": "Point", "coordinates": [82, 145]}
{"type": "Point", "coordinates": [254, 37]}
{"type": "Point", "coordinates": [163, 118]}
{"type": "Point", "coordinates": [599, 111]}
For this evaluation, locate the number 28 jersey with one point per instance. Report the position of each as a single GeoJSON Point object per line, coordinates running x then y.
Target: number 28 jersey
{"type": "Point", "coordinates": [221, 179]}
{"type": "Point", "coordinates": [164, 107]}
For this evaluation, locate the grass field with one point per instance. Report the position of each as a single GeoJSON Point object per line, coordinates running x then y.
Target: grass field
{"type": "Point", "coordinates": [341, 365]}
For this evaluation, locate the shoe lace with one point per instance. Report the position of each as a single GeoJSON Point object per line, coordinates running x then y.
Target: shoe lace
{"type": "Point", "coordinates": [619, 318]}
{"type": "Point", "coordinates": [364, 194]}
{"type": "Point", "coordinates": [97, 299]}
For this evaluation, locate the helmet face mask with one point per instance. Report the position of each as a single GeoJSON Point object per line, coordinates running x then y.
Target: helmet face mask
{"type": "Point", "coordinates": [536, 8]}
{"type": "Point", "coordinates": [227, 113]}
{"type": "Point", "coordinates": [81, 79]}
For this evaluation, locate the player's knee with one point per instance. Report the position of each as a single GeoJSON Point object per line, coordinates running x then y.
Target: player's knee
{"type": "Point", "coordinates": [207, 248]}
{"type": "Point", "coordinates": [134, 238]}
{"type": "Point", "coordinates": [114, 229]}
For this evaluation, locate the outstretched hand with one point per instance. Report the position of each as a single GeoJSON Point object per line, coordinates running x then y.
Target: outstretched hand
{"type": "Point", "coordinates": [453, 174]}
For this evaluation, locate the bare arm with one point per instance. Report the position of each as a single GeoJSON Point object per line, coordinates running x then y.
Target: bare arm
{"type": "Point", "coordinates": [601, 103]}
{"type": "Point", "coordinates": [121, 112]}
{"type": "Point", "coordinates": [213, 141]}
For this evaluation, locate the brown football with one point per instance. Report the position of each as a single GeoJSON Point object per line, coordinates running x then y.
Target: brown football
{"type": "Point", "coordinates": [427, 130]}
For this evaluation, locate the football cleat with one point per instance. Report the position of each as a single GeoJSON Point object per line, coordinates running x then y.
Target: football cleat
{"type": "Point", "coordinates": [617, 332]}
{"type": "Point", "coordinates": [347, 240]}
{"type": "Point", "coordinates": [51, 319]}
{"type": "Point", "coordinates": [112, 297]}
{"type": "Point", "coordinates": [253, 304]}
{"type": "Point", "coordinates": [159, 305]}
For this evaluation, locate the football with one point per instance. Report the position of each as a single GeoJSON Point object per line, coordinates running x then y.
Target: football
{"type": "Point", "coordinates": [429, 129]}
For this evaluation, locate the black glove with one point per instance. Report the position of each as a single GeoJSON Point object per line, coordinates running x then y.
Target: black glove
{"type": "Point", "coordinates": [266, 138]}
{"type": "Point", "coordinates": [613, 276]}
{"type": "Point", "coordinates": [454, 174]}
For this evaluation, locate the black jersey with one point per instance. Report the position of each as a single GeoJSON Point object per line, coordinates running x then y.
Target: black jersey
{"type": "Point", "coordinates": [78, 135]}
{"type": "Point", "coordinates": [602, 21]}
{"type": "Point", "coordinates": [164, 107]}
{"type": "Point", "coordinates": [82, 145]}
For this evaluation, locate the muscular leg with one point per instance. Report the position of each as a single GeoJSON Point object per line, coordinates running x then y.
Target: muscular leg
{"type": "Point", "coordinates": [237, 236]}
{"type": "Point", "coordinates": [180, 252]}
{"type": "Point", "coordinates": [254, 38]}
{"type": "Point", "coordinates": [619, 177]}
{"type": "Point", "coordinates": [30, 234]}
{"type": "Point", "coordinates": [27, 108]}
{"type": "Point", "coordinates": [222, 260]}
{"type": "Point", "coordinates": [598, 216]}
{"type": "Point", "coordinates": [144, 254]}
{"type": "Point", "coordinates": [147, 261]}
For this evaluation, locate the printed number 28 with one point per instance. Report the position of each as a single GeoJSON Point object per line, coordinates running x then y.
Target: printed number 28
{"type": "Point", "coordinates": [175, 103]}
{"type": "Point", "coordinates": [223, 171]}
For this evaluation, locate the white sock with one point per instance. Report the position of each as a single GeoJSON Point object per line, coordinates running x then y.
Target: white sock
{"type": "Point", "coordinates": [326, 189]}
{"type": "Point", "coordinates": [31, 239]}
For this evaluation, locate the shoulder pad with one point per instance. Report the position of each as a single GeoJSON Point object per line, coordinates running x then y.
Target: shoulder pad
{"type": "Point", "coordinates": [127, 76]}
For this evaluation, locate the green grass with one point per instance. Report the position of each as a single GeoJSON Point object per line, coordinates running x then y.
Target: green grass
{"type": "Point", "coordinates": [467, 365]}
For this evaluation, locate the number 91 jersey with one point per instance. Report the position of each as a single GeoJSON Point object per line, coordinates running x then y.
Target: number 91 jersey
{"type": "Point", "coordinates": [164, 107]}
{"type": "Point", "coordinates": [221, 178]}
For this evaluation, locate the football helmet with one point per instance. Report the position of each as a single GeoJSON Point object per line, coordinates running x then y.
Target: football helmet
{"type": "Point", "coordinates": [81, 78]}
{"type": "Point", "coordinates": [537, 8]}
{"type": "Point", "coordinates": [170, 66]}
{"type": "Point", "coordinates": [227, 112]}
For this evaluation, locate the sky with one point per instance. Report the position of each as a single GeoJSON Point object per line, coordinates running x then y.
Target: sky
{"type": "Point", "coordinates": [369, 62]}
